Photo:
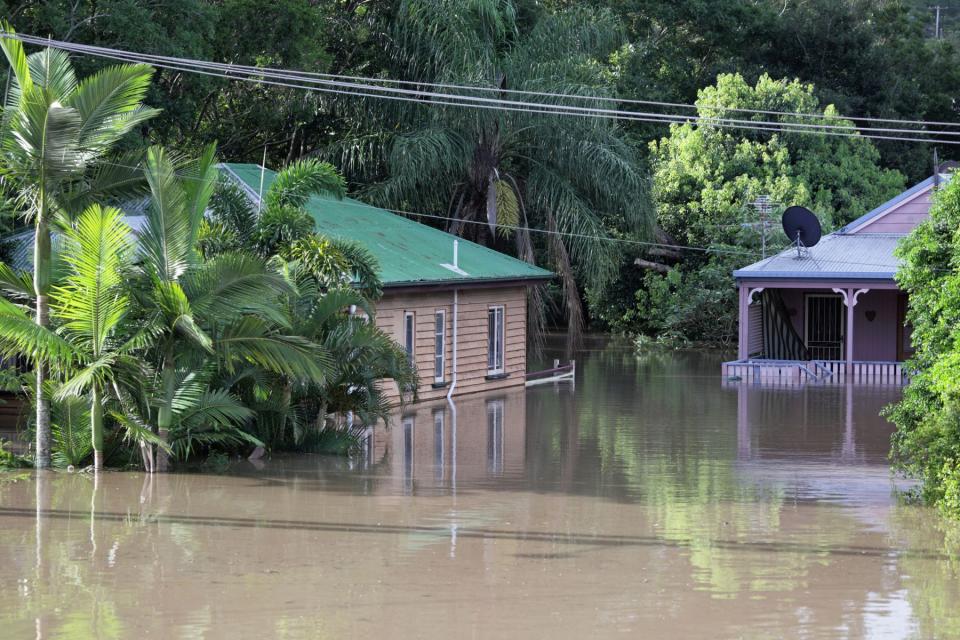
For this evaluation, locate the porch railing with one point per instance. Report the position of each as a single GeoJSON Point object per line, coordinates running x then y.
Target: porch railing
{"type": "Point", "coordinates": [794, 372]}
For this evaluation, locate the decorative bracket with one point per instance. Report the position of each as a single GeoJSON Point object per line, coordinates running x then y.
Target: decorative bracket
{"type": "Point", "coordinates": [751, 293]}
{"type": "Point", "coordinates": [856, 296]}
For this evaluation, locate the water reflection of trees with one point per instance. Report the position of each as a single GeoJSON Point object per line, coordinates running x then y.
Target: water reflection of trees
{"type": "Point", "coordinates": [932, 580]}
{"type": "Point", "coordinates": [659, 432]}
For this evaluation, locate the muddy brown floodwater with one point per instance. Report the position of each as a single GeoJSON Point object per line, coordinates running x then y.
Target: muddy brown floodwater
{"type": "Point", "coordinates": [650, 501]}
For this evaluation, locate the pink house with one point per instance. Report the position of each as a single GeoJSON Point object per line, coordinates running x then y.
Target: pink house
{"type": "Point", "coordinates": [833, 312]}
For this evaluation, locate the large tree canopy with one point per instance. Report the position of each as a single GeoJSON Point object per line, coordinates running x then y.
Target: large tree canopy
{"type": "Point", "coordinates": [705, 176]}
{"type": "Point", "coordinates": [577, 178]}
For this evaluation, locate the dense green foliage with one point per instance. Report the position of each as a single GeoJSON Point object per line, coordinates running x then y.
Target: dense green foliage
{"type": "Point", "coordinates": [169, 344]}
{"type": "Point", "coordinates": [226, 367]}
{"type": "Point", "coordinates": [927, 442]}
{"type": "Point", "coordinates": [704, 179]}
{"type": "Point", "coordinates": [867, 58]}
{"type": "Point", "coordinates": [579, 177]}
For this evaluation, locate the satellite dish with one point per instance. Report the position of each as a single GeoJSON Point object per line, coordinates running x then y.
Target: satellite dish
{"type": "Point", "coordinates": [801, 226]}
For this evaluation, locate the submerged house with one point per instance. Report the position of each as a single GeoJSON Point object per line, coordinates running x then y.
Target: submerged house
{"type": "Point", "coordinates": [458, 308]}
{"type": "Point", "coordinates": [832, 312]}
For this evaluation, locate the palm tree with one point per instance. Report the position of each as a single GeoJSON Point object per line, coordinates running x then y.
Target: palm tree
{"type": "Point", "coordinates": [365, 354]}
{"type": "Point", "coordinates": [219, 313]}
{"type": "Point", "coordinates": [54, 134]}
{"type": "Point", "coordinates": [90, 307]}
{"type": "Point", "coordinates": [325, 277]}
{"type": "Point", "coordinates": [579, 179]}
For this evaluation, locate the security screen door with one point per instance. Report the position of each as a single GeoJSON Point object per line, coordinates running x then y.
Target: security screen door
{"type": "Point", "coordinates": [824, 326]}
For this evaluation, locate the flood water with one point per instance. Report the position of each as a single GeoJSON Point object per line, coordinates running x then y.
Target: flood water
{"type": "Point", "coordinates": [648, 501]}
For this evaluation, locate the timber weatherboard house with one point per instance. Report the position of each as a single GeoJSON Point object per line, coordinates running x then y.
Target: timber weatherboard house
{"type": "Point", "coordinates": [459, 309]}
{"type": "Point", "coordinates": [833, 313]}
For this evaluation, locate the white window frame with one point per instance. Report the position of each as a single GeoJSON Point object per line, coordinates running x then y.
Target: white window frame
{"type": "Point", "coordinates": [410, 337]}
{"type": "Point", "coordinates": [496, 338]}
{"type": "Point", "coordinates": [440, 346]}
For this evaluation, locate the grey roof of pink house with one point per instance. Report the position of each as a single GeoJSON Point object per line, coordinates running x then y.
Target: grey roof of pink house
{"type": "Point", "coordinates": [844, 254]}
{"type": "Point", "coordinates": [837, 256]}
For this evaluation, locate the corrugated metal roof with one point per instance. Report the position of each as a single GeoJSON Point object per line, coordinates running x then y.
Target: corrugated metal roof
{"type": "Point", "coordinates": [841, 254]}
{"type": "Point", "coordinates": [837, 255]}
{"type": "Point", "coordinates": [409, 253]}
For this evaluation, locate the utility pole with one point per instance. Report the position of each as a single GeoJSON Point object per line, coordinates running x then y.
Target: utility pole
{"type": "Point", "coordinates": [936, 23]}
{"type": "Point", "coordinates": [764, 206]}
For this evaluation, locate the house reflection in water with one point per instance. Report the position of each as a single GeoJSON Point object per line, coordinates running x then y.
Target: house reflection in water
{"type": "Point", "coordinates": [478, 438]}
{"type": "Point", "coordinates": [803, 420]}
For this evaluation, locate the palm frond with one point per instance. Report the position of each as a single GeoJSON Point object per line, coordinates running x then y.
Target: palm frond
{"type": "Point", "coordinates": [17, 57]}
{"type": "Point", "coordinates": [199, 182]}
{"type": "Point", "coordinates": [295, 183]}
{"type": "Point", "coordinates": [251, 340]}
{"type": "Point", "coordinates": [70, 431]}
{"type": "Point", "coordinates": [45, 134]}
{"type": "Point", "coordinates": [166, 241]}
{"type": "Point", "coordinates": [51, 69]}
{"type": "Point", "coordinates": [93, 373]}
{"type": "Point", "coordinates": [232, 284]}
{"type": "Point", "coordinates": [137, 430]}
{"type": "Point", "coordinates": [336, 302]}
{"type": "Point", "coordinates": [116, 179]}
{"type": "Point", "coordinates": [231, 207]}
{"type": "Point", "coordinates": [17, 284]}
{"type": "Point", "coordinates": [20, 335]}
{"type": "Point", "coordinates": [91, 301]}
{"type": "Point", "coordinates": [110, 104]}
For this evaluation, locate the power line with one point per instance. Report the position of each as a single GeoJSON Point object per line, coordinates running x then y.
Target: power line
{"type": "Point", "coordinates": [629, 241]}
{"type": "Point", "coordinates": [496, 104]}
{"type": "Point", "coordinates": [364, 90]}
{"type": "Point", "coordinates": [307, 75]}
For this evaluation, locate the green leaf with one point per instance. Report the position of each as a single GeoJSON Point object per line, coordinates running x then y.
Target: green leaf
{"type": "Point", "coordinates": [295, 183]}
{"type": "Point", "coordinates": [91, 302]}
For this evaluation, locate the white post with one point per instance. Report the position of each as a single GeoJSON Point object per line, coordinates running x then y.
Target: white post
{"type": "Point", "coordinates": [744, 335]}
{"type": "Point", "coordinates": [851, 303]}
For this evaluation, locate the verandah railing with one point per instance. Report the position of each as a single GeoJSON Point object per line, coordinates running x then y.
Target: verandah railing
{"type": "Point", "coordinates": [792, 372]}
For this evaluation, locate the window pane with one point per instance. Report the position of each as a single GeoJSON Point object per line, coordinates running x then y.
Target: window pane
{"type": "Point", "coordinates": [491, 341]}
{"type": "Point", "coordinates": [439, 319]}
{"type": "Point", "coordinates": [408, 335]}
{"type": "Point", "coordinates": [500, 338]}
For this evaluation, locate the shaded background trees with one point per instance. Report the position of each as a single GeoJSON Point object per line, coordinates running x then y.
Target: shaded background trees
{"type": "Point", "coordinates": [864, 57]}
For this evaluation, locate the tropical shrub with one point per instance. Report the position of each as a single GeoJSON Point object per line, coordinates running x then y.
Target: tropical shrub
{"type": "Point", "coordinates": [926, 444]}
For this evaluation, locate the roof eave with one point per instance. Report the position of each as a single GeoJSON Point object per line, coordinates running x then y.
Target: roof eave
{"type": "Point", "coordinates": [834, 275]}
{"type": "Point", "coordinates": [468, 282]}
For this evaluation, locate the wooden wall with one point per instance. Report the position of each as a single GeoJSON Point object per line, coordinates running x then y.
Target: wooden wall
{"type": "Point", "coordinates": [471, 340]}
{"type": "Point", "coordinates": [903, 217]}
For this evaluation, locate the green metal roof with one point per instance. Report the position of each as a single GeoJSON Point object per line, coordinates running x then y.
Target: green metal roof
{"type": "Point", "coordinates": [409, 253]}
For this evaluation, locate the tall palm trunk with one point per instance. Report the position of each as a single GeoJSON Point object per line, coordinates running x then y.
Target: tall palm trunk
{"type": "Point", "coordinates": [41, 286]}
{"type": "Point", "coordinates": [96, 426]}
{"type": "Point", "coordinates": [165, 414]}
